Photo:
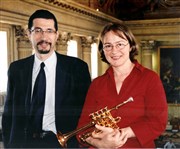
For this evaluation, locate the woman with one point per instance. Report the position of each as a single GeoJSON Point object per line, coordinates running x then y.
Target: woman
{"type": "Point", "coordinates": [142, 120]}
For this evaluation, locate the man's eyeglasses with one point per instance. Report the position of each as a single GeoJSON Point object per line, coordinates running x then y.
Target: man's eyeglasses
{"type": "Point", "coordinates": [39, 31]}
{"type": "Point", "coordinates": [118, 46]}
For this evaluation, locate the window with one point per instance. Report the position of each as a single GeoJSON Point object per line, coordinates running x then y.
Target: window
{"type": "Point", "coordinates": [3, 61]}
{"type": "Point", "coordinates": [94, 60]}
{"type": "Point", "coordinates": [72, 51]}
{"type": "Point", "coordinates": [72, 48]}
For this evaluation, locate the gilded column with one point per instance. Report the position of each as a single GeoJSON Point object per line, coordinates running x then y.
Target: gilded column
{"type": "Point", "coordinates": [147, 53]}
{"type": "Point", "coordinates": [61, 45]}
{"type": "Point", "coordinates": [24, 47]}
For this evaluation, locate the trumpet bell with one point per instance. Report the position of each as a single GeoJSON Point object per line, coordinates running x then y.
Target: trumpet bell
{"type": "Point", "coordinates": [62, 139]}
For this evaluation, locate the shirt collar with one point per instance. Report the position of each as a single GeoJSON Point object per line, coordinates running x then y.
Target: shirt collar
{"type": "Point", "coordinates": [37, 63]}
{"type": "Point", "coordinates": [138, 66]}
{"type": "Point", "coordinates": [49, 63]}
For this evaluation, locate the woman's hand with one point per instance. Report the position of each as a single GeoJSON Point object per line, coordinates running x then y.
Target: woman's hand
{"type": "Point", "coordinates": [110, 138]}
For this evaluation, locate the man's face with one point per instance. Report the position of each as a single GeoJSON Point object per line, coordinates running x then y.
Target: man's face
{"type": "Point", "coordinates": [43, 36]}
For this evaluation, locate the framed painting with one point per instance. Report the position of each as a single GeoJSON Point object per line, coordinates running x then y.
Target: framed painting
{"type": "Point", "coordinates": [169, 70]}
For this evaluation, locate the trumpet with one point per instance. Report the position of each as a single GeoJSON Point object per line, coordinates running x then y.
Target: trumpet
{"type": "Point", "coordinates": [101, 117]}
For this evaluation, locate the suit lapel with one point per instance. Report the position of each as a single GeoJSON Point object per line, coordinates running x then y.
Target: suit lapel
{"type": "Point", "coordinates": [60, 81]}
{"type": "Point", "coordinates": [28, 73]}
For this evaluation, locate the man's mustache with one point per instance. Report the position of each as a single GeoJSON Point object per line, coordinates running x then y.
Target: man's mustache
{"type": "Point", "coordinates": [43, 41]}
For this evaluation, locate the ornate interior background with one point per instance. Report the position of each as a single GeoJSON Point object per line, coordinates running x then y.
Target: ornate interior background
{"type": "Point", "coordinates": [155, 24]}
{"type": "Point", "coordinates": [136, 9]}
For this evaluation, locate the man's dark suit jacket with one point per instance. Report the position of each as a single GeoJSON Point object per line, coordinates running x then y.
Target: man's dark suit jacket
{"type": "Point", "coordinates": [71, 85]}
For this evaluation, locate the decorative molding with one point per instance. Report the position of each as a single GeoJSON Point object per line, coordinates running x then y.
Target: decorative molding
{"type": "Point", "coordinates": [159, 29]}
{"type": "Point", "coordinates": [81, 9]}
{"type": "Point", "coordinates": [150, 23]}
{"type": "Point", "coordinates": [148, 44]}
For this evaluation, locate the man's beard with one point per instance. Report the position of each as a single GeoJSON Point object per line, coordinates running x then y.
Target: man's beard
{"type": "Point", "coordinates": [41, 51]}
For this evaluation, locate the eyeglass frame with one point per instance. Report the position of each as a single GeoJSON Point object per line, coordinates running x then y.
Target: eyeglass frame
{"type": "Point", "coordinates": [112, 46]}
{"type": "Point", "coordinates": [40, 31]}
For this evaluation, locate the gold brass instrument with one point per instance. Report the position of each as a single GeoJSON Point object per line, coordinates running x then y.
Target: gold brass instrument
{"type": "Point", "coordinates": [101, 117]}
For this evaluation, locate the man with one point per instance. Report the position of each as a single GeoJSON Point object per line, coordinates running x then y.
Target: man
{"type": "Point", "coordinates": [65, 83]}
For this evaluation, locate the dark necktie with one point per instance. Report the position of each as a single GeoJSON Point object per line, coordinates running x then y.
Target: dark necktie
{"type": "Point", "coordinates": [38, 101]}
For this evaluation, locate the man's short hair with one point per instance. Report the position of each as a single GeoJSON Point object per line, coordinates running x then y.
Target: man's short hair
{"type": "Point", "coordinates": [45, 14]}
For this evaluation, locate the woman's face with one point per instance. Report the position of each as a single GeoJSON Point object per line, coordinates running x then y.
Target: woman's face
{"type": "Point", "coordinates": [116, 49]}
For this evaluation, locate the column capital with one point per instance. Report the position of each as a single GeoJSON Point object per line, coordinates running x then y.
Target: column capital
{"type": "Point", "coordinates": [148, 44]}
{"type": "Point", "coordinates": [20, 33]}
{"type": "Point", "coordinates": [64, 37]}
{"type": "Point", "coordinates": [87, 41]}
{"type": "Point", "coordinates": [62, 42]}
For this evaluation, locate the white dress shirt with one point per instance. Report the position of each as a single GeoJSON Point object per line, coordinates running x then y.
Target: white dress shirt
{"type": "Point", "coordinates": [49, 109]}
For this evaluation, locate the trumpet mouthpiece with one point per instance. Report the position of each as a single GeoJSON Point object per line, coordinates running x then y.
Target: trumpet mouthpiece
{"type": "Point", "coordinates": [131, 99]}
